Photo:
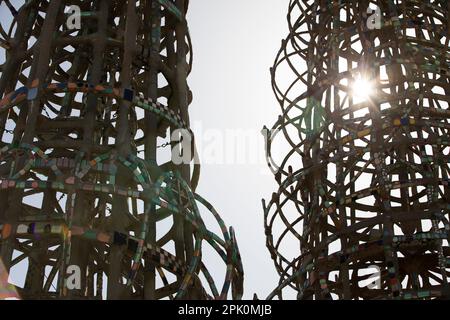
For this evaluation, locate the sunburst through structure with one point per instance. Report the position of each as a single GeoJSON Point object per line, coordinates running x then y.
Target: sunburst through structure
{"type": "Point", "coordinates": [362, 210]}
{"type": "Point", "coordinates": [83, 191]}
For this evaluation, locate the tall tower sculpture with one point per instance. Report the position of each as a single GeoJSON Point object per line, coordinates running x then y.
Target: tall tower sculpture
{"type": "Point", "coordinates": [361, 151]}
{"type": "Point", "coordinates": [87, 206]}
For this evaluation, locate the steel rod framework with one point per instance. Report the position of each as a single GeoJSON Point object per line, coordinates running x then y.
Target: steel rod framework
{"type": "Point", "coordinates": [362, 210]}
{"type": "Point", "coordinates": [81, 183]}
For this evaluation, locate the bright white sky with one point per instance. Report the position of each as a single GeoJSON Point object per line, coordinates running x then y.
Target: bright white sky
{"type": "Point", "coordinates": [235, 43]}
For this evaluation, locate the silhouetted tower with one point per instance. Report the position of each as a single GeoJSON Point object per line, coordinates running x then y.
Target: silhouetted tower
{"type": "Point", "coordinates": [361, 151]}
{"type": "Point", "coordinates": [83, 189]}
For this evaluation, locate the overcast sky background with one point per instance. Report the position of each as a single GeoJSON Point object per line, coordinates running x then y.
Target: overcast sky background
{"type": "Point", "coordinates": [235, 43]}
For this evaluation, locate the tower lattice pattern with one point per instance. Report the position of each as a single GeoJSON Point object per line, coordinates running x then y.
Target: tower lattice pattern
{"type": "Point", "coordinates": [81, 185]}
{"type": "Point", "coordinates": [362, 210]}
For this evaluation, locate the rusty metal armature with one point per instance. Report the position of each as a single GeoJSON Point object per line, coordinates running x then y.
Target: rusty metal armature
{"type": "Point", "coordinates": [82, 191]}
{"type": "Point", "coordinates": [361, 151]}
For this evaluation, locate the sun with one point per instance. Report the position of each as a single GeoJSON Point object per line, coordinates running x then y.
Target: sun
{"type": "Point", "coordinates": [362, 89]}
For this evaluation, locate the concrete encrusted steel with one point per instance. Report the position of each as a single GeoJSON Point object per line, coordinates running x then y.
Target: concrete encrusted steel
{"type": "Point", "coordinates": [80, 182]}
{"type": "Point", "coordinates": [362, 210]}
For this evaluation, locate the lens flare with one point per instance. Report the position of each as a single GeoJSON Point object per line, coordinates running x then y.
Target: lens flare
{"type": "Point", "coordinates": [362, 90]}
{"type": "Point", "coordinates": [7, 290]}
